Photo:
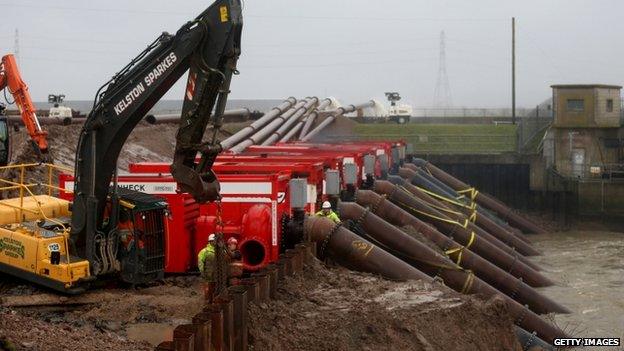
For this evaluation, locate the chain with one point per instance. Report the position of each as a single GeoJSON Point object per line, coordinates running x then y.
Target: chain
{"type": "Point", "coordinates": [221, 269]}
{"type": "Point", "coordinates": [327, 239]}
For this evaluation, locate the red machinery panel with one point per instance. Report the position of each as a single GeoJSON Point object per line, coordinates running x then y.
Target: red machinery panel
{"type": "Point", "coordinates": [252, 209]}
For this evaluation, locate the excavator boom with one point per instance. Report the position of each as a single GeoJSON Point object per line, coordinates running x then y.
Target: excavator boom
{"type": "Point", "coordinates": [11, 78]}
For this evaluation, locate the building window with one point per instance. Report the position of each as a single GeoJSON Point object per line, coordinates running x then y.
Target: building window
{"type": "Point", "coordinates": [576, 105]}
{"type": "Point", "coordinates": [609, 105]}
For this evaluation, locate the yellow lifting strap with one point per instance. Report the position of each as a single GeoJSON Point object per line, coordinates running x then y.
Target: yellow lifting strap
{"type": "Point", "coordinates": [446, 199]}
{"type": "Point", "coordinates": [468, 283]}
{"type": "Point", "coordinates": [460, 249]}
{"type": "Point", "coordinates": [472, 191]}
{"type": "Point", "coordinates": [439, 208]}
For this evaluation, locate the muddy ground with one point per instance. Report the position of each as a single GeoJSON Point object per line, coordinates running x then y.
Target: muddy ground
{"type": "Point", "coordinates": [324, 308]}
{"type": "Point", "coordinates": [336, 309]}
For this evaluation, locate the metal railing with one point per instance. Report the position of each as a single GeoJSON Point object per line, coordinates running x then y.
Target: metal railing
{"type": "Point", "coordinates": [26, 188]}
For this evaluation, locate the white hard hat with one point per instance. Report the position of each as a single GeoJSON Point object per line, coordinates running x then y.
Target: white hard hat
{"type": "Point", "coordinates": [211, 237]}
{"type": "Point", "coordinates": [326, 205]}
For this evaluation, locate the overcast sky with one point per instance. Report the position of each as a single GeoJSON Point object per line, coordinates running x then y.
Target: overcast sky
{"type": "Point", "coordinates": [353, 50]}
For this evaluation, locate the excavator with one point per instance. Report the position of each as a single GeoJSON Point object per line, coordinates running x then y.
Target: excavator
{"type": "Point", "coordinates": [11, 78]}
{"type": "Point", "coordinates": [107, 231]}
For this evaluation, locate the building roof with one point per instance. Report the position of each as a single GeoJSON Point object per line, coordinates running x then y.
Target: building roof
{"type": "Point", "coordinates": [585, 86]}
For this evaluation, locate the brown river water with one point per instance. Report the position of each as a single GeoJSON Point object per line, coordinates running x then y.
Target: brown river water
{"type": "Point", "coordinates": [589, 267]}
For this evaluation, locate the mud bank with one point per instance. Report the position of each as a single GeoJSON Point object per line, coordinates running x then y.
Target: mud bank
{"type": "Point", "coordinates": [336, 309]}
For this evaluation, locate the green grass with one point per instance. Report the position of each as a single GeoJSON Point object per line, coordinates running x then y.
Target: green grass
{"type": "Point", "coordinates": [446, 138]}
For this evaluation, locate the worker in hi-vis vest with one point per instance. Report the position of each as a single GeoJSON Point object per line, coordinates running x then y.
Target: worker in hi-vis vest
{"type": "Point", "coordinates": [326, 211]}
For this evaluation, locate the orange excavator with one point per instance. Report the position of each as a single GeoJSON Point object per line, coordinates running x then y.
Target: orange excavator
{"type": "Point", "coordinates": [11, 78]}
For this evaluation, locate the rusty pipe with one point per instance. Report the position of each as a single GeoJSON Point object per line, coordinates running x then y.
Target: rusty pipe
{"type": "Point", "coordinates": [483, 199]}
{"type": "Point", "coordinates": [357, 253]}
{"type": "Point", "coordinates": [451, 225]}
{"type": "Point", "coordinates": [463, 213]}
{"type": "Point", "coordinates": [308, 123]}
{"type": "Point", "coordinates": [464, 237]}
{"type": "Point", "coordinates": [484, 218]}
{"type": "Point", "coordinates": [283, 129]}
{"type": "Point", "coordinates": [433, 263]}
{"type": "Point", "coordinates": [64, 121]}
{"type": "Point", "coordinates": [256, 125]}
{"type": "Point", "coordinates": [502, 280]}
{"type": "Point", "coordinates": [339, 112]}
{"type": "Point", "coordinates": [426, 180]}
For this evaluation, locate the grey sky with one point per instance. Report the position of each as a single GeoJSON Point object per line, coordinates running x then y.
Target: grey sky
{"type": "Point", "coordinates": [353, 50]}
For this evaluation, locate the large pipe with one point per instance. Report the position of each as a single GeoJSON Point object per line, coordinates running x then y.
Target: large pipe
{"type": "Point", "coordinates": [484, 248]}
{"type": "Point", "coordinates": [175, 117]}
{"type": "Point", "coordinates": [62, 121]}
{"type": "Point", "coordinates": [487, 271]}
{"type": "Point", "coordinates": [483, 199]}
{"type": "Point", "coordinates": [429, 182]}
{"type": "Point", "coordinates": [344, 245]}
{"type": "Point", "coordinates": [406, 175]}
{"type": "Point", "coordinates": [279, 133]}
{"type": "Point", "coordinates": [431, 262]}
{"type": "Point", "coordinates": [263, 132]}
{"type": "Point", "coordinates": [308, 123]}
{"type": "Point", "coordinates": [243, 133]}
{"type": "Point", "coordinates": [339, 112]}
{"type": "Point", "coordinates": [485, 217]}
{"type": "Point", "coordinates": [452, 225]}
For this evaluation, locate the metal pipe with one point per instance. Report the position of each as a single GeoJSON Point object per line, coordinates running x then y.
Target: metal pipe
{"type": "Point", "coordinates": [431, 262]}
{"type": "Point", "coordinates": [310, 114]}
{"type": "Point", "coordinates": [339, 112]}
{"type": "Point", "coordinates": [484, 248]}
{"type": "Point", "coordinates": [279, 133]}
{"type": "Point", "coordinates": [482, 268]}
{"type": "Point", "coordinates": [350, 249]}
{"type": "Point", "coordinates": [65, 121]}
{"type": "Point", "coordinates": [263, 132]}
{"type": "Point", "coordinates": [423, 173]}
{"type": "Point", "coordinates": [485, 218]}
{"type": "Point", "coordinates": [483, 199]}
{"type": "Point", "coordinates": [175, 117]}
{"type": "Point", "coordinates": [449, 221]}
{"type": "Point", "coordinates": [308, 123]}
{"type": "Point", "coordinates": [462, 213]}
{"type": "Point", "coordinates": [240, 135]}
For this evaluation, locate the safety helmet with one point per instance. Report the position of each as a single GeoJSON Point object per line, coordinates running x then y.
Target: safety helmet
{"type": "Point", "coordinates": [232, 241]}
{"type": "Point", "coordinates": [212, 237]}
{"type": "Point", "coordinates": [326, 205]}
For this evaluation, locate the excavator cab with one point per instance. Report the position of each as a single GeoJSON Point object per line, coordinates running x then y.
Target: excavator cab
{"type": "Point", "coordinates": [141, 230]}
{"type": "Point", "coordinates": [5, 142]}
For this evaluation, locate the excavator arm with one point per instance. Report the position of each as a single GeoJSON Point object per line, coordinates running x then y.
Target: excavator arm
{"type": "Point", "coordinates": [11, 78]}
{"type": "Point", "coordinates": [208, 47]}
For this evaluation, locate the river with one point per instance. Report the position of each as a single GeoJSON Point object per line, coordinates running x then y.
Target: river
{"type": "Point", "coordinates": [589, 267]}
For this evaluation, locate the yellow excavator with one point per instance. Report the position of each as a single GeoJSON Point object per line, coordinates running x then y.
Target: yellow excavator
{"type": "Point", "coordinates": [108, 231]}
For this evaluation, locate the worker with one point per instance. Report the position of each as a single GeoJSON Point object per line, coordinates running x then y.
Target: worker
{"type": "Point", "coordinates": [326, 211]}
{"type": "Point", "coordinates": [235, 270]}
{"type": "Point", "coordinates": [126, 230]}
{"type": "Point", "coordinates": [205, 263]}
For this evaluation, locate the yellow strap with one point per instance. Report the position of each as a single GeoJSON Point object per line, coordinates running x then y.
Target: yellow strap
{"type": "Point", "coordinates": [461, 248]}
{"type": "Point", "coordinates": [468, 283]}
{"type": "Point", "coordinates": [439, 208]}
{"type": "Point", "coordinates": [472, 191]}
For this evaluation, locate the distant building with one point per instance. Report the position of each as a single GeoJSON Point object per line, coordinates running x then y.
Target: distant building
{"type": "Point", "coordinates": [585, 138]}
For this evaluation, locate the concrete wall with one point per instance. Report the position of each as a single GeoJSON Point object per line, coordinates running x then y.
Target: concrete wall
{"type": "Point", "coordinates": [588, 141]}
{"type": "Point", "coordinates": [594, 113]}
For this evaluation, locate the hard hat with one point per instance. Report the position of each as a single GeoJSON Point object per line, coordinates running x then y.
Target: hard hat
{"type": "Point", "coordinates": [212, 237]}
{"type": "Point", "coordinates": [326, 205]}
{"type": "Point", "coordinates": [232, 241]}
